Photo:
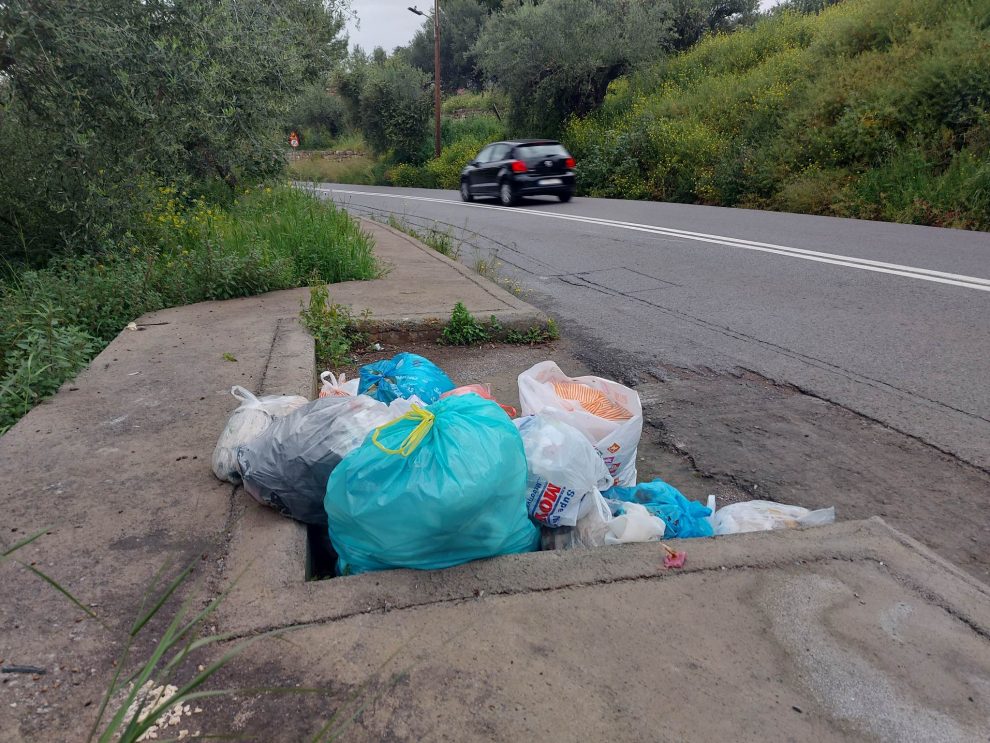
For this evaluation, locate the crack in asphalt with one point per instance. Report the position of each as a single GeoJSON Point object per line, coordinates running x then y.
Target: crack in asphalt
{"type": "Point", "coordinates": [796, 355]}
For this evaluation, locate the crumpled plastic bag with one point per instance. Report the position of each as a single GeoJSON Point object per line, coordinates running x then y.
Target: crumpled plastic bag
{"type": "Point", "coordinates": [436, 488]}
{"type": "Point", "coordinates": [563, 467]}
{"type": "Point", "coordinates": [248, 420]}
{"type": "Point", "coordinates": [684, 518]}
{"type": "Point", "coordinates": [606, 522]}
{"type": "Point", "coordinates": [764, 515]}
{"type": "Point", "coordinates": [405, 375]}
{"type": "Point", "coordinates": [592, 405]}
{"type": "Point", "coordinates": [288, 465]}
{"type": "Point", "coordinates": [334, 386]}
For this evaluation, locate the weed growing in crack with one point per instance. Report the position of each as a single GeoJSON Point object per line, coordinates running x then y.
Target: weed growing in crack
{"type": "Point", "coordinates": [490, 268]}
{"type": "Point", "coordinates": [332, 326]}
{"type": "Point", "coordinates": [464, 329]}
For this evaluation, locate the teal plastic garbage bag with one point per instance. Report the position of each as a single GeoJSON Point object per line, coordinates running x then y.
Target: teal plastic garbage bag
{"type": "Point", "coordinates": [438, 487]}
{"type": "Point", "coordinates": [405, 375]}
{"type": "Point", "coordinates": [683, 518]}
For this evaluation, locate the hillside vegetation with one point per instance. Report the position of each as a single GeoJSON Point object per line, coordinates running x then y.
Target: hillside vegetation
{"type": "Point", "coordinates": [875, 109]}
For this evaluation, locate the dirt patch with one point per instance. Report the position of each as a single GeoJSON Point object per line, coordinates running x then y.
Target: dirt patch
{"type": "Point", "coordinates": [772, 441]}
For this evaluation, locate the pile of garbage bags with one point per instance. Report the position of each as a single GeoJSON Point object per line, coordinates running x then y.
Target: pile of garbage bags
{"type": "Point", "coordinates": [406, 469]}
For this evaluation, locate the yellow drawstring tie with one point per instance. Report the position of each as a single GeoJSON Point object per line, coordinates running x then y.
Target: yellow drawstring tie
{"type": "Point", "coordinates": [415, 437]}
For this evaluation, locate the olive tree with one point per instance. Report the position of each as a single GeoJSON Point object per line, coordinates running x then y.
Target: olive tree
{"type": "Point", "coordinates": [460, 24]}
{"type": "Point", "coordinates": [390, 103]}
{"type": "Point", "coordinates": [556, 58]}
{"type": "Point", "coordinates": [108, 96]}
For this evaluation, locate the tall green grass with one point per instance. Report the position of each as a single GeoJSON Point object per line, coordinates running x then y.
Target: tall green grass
{"type": "Point", "coordinates": [874, 108]}
{"type": "Point", "coordinates": [362, 170]}
{"type": "Point", "coordinates": [55, 319]}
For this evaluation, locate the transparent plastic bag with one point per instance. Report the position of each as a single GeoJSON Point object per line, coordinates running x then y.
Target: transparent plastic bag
{"type": "Point", "coordinates": [250, 419]}
{"type": "Point", "coordinates": [563, 469]}
{"type": "Point", "coordinates": [608, 414]}
{"type": "Point", "coordinates": [606, 522]}
{"type": "Point", "coordinates": [764, 515]}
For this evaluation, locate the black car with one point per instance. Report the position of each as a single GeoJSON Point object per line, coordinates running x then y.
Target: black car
{"type": "Point", "coordinates": [523, 167]}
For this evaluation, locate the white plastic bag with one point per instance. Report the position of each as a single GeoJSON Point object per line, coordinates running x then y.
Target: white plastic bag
{"type": "Point", "coordinates": [563, 468]}
{"type": "Point", "coordinates": [288, 465]}
{"type": "Point", "coordinates": [616, 440]}
{"type": "Point", "coordinates": [598, 527]}
{"type": "Point", "coordinates": [634, 524]}
{"type": "Point", "coordinates": [764, 515]}
{"type": "Point", "coordinates": [334, 386]}
{"type": "Point", "coordinates": [250, 418]}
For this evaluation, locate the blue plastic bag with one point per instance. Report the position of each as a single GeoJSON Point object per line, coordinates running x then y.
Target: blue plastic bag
{"type": "Point", "coordinates": [435, 488]}
{"type": "Point", "coordinates": [404, 375]}
{"type": "Point", "coordinates": [683, 518]}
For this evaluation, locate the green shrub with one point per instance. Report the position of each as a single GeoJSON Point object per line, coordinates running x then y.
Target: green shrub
{"type": "Point", "coordinates": [468, 101]}
{"type": "Point", "coordinates": [483, 127]}
{"type": "Point", "coordinates": [446, 170]}
{"type": "Point", "coordinates": [410, 176]}
{"type": "Point", "coordinates": [332, 327]}
{"type": "Point", "coordinates": [463, 329]}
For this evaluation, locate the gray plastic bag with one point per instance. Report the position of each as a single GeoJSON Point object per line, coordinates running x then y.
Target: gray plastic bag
{"type": "Point", "coordinates": [250, 418]}
{"type": "Point", "coordinates": [287, 466]}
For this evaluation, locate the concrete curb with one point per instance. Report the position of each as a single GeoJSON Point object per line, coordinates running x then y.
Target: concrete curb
{"type": "Point", "coordinates": [263, 600]}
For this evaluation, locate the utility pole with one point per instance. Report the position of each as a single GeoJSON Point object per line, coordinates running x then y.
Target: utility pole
{"type": "Point", "coordinates": [436, 72]}
{"type": "Point", "coordinates": [436, 78]}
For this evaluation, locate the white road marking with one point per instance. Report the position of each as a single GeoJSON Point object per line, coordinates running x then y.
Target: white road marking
{"type": "Point", "coordinates": [895, 269]}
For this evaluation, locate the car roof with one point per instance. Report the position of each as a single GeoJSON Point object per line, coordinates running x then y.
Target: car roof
{"type": "Point", "coordinates": [515, 142]}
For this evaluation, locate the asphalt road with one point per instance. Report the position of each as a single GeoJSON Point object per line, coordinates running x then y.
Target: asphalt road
{"type": "Point", "coordinates": [891, 321]}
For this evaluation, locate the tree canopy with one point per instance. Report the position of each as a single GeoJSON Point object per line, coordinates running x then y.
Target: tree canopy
{"type": "Point", "coordinates": [102, 97]}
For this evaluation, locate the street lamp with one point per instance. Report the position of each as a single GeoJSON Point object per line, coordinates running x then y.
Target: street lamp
{"type": "Point", "coordinates": [436, 72]}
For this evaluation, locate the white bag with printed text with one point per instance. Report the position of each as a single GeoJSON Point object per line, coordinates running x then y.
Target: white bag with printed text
{"type": "Point", "coordinates": [608, 414]}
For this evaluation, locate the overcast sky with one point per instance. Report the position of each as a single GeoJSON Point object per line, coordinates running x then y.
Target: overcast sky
{"type": "Point", "coordinates": [387, 23]}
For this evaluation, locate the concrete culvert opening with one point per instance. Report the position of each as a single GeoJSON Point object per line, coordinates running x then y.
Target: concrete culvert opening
{"type": "Point", "coordinates": [321, 557]}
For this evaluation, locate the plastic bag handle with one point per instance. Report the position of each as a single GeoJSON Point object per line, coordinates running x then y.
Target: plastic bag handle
{"type": "Point", "coordinates": [415, 437]}
{"type": "Point", "coordinates": [242, 394]}
{"type": "Point", "coordinates": [331, 380]}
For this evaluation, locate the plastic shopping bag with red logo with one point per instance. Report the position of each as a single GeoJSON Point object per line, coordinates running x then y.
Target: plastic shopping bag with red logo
{"type": "Point", "coordinates": [564, 469]}
{"type": "Point", "coordinates": [608, 414]}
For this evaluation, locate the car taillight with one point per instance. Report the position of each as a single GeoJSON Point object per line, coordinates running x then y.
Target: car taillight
{"type": "Point", "coordinates": [570, 162]}
{"type": "Point", "coordinates": [518, 166]}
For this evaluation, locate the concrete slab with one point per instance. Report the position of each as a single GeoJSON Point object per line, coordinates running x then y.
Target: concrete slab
{"type": "Point", "coordinates": [849, 632]}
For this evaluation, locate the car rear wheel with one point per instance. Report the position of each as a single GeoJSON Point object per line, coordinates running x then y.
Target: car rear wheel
{"type": "Point", "coordinates": [466, 191]}
{"type": "Point", "coordinates": [565, 196]}
{"type": "Point", "coordinates": [507, 195]}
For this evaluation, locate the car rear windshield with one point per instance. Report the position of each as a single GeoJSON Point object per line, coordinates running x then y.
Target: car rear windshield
{"type": "Point", "coordinates": [540, 150]}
